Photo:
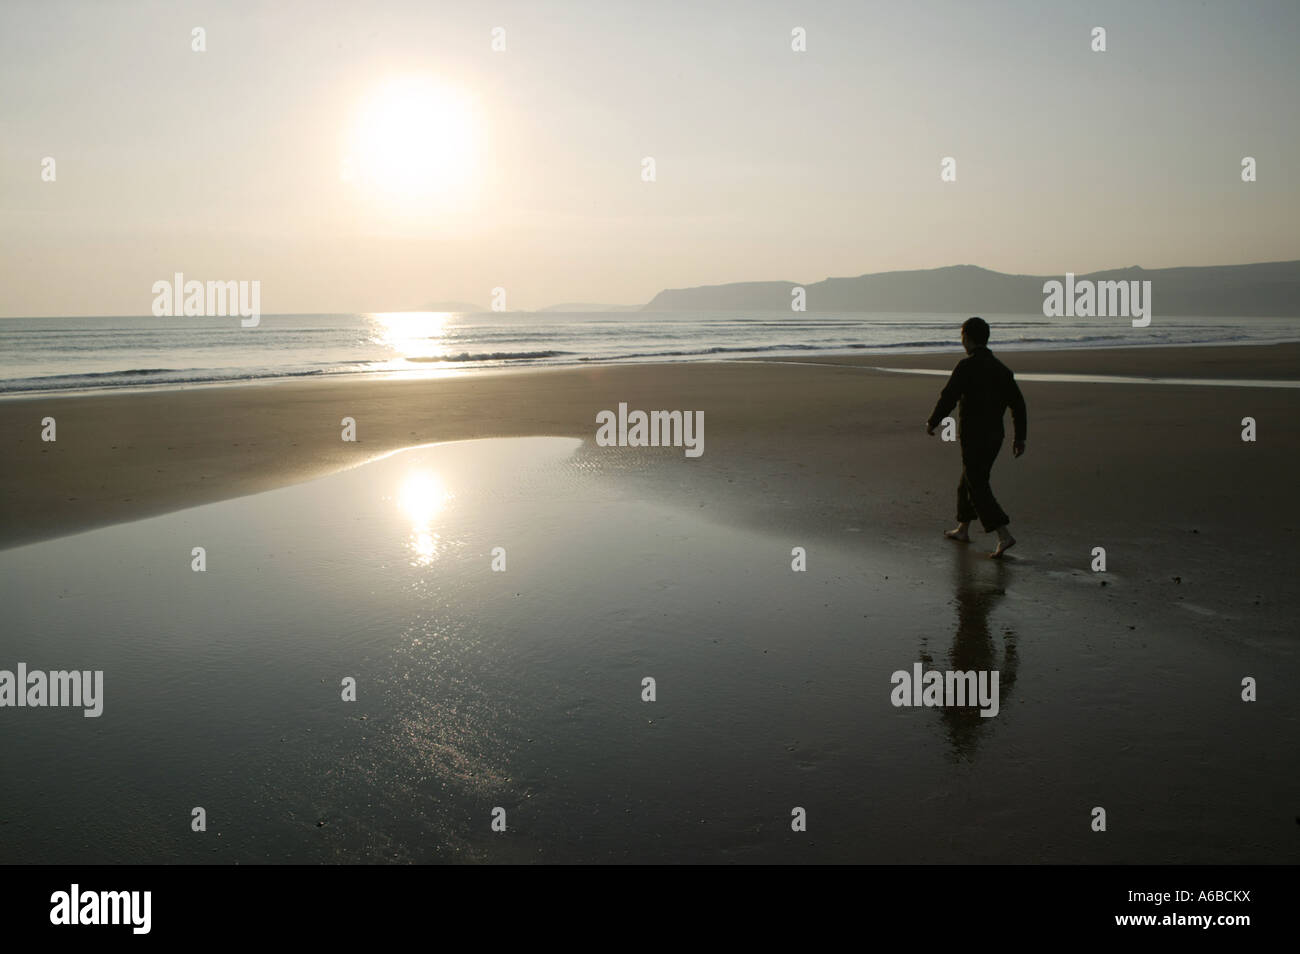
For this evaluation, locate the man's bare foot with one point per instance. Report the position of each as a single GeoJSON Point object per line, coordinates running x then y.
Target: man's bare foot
{"type": "Point", "coordinates": [1004, 544]}
{"type": "Point", "coordinates": [960, 535]}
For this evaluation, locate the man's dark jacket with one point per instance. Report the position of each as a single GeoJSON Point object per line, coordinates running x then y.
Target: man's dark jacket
{"type": "Point", "coordinates": [986, 388]}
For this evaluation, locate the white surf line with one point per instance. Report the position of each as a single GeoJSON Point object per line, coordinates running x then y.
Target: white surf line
{"type": "Point", "coordinates": [1070, 378]}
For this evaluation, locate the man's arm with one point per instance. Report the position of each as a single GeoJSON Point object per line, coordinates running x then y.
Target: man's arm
{"type": "Point", "coordinates": [949, 396]}
{"type": "Point", "coordinates": [1019, 415]}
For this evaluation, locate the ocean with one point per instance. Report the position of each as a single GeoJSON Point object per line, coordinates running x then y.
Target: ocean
{"type": "Point", "coordinates": [77, 354]}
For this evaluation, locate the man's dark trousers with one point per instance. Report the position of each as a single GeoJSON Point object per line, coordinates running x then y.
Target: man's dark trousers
{"type": "Point", "coordinates": [974, 495]}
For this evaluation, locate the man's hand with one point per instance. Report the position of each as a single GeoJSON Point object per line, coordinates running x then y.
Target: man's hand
{"type": "Point", "coordinates": [1017, 448]}
{"type": "Point", "coordinates": [929, 428]}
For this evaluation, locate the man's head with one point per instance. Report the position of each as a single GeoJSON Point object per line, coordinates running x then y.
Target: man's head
{"type": "Point", "coordinates": [974, 334]}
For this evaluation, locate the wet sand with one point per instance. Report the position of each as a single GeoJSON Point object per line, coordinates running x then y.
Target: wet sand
{"type": "Point", "coordinates": [522, 688]}
{"type": "Point", "coordinates": [1120, 689]}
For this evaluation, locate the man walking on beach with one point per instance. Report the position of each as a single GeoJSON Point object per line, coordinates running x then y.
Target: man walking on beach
{"type": "Point", "coordinates": [986, 388]}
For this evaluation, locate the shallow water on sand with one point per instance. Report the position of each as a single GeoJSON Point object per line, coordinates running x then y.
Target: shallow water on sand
{"type": "Point", "coordinates": [1121, 379]}
{"type": "Point", "coordinates": [522, 689]}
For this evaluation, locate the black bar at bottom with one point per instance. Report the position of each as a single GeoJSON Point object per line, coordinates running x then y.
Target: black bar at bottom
{"type": "Point", "coordinates": [332, 904]}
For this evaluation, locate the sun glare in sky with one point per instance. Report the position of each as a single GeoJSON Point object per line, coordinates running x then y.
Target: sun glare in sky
{"type": "Point", "coordinates": [412, 145]}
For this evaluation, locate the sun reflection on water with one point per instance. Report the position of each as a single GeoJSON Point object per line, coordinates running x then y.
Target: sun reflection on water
{"type": "Point", "coordinates": [422, 497]}
{"type": "Point", "coordinates": [412, 335]}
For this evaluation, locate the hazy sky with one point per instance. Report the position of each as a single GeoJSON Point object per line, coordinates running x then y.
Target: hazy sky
{"type": "Point", "coordinates": [770, 164]}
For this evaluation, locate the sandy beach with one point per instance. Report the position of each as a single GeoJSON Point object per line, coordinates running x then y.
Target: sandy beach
{"type": "Point", "coordinates": [817, 447]}
{"type": "Point", "coordinates": [1118, 689]}
{"type": "Point", "coordinates": [1157, 474]}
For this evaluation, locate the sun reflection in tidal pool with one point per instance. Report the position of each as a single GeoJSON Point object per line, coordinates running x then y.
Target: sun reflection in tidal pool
{"type": "Point", "coordinates": [421, 498]}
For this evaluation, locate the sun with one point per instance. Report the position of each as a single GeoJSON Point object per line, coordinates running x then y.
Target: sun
{"type": "Point", "coordinates": [413, 143]}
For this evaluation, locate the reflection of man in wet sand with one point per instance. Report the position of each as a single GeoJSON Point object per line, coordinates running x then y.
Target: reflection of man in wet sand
{"type": "Point", "coordinates": [986, 388]}
{"type": "Point", "coordinates": [975, 650]}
